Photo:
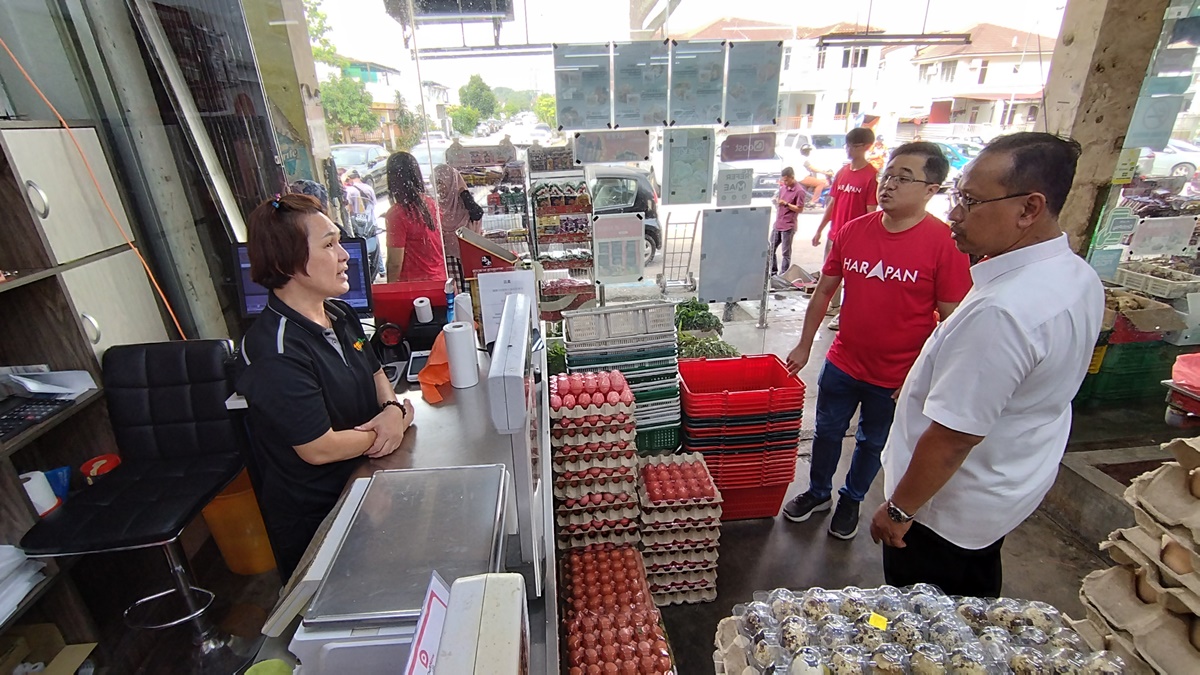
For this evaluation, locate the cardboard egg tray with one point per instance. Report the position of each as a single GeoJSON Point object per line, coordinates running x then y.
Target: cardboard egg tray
{"type": "Point", "coordinates": [565, 569]}
{"type": "Point", "coordinates": [688, 579]}
{"type": "Point", "coordinates": [589, 476]}
{"type": "Point", "coordinates": [1164, 495]}
{"type": "Point", "coordinates": [618, 503]}
{"type": "Point", "coordinates": [1179, 534]}
{"type": "Point", "coordinates": [598, 525]}
{"type": "Point", "coordinates": [1159, 637]}
{"type": "Point", "coordinates": [1161, 579]}
{"type": "Point", "coordinates": [1149, 545]}
{"type": "Point", "coordinates": [611, 434]}
{"type": "Point", "coordinates": [585, 453]}
{"type": "Point", "coordinates": [681, 525]}
{"type": "Point", "coordinates": [629, 535]}
{"type": "Point", "coordinates": [568, 518]}
{"type": "Point", "coordinates": [677, 504]}
{"type": "Point", "coordinates": [583, 423]}
{"type": "Point", "coordinates": [699, 558]}
{"type": "Point", "coordinates": [613, 459]}
{"type": "Point", "coordinates": [691, 513]}
{"type": "Point", "coordinates": [575, 489]}
{"type": "Point", "coordinates": [577, 412]}
{"type": "Point", "coordinates": [682, 539]}
{"type": "Point", "coordinates": [685, 597]}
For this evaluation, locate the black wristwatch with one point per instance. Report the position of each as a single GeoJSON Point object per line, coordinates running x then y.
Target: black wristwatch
{"type": "Point", "coordinates": [897, 514]}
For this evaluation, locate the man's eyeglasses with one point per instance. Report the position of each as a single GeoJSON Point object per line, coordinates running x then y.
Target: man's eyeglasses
{"type": "Point", "coordinates": [958, 199]}
{"type": "Point", "coordinates": [901, 180]}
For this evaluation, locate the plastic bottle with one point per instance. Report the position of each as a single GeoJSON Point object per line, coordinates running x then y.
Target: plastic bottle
{"type": "Point", "coordinates": [449, 288]}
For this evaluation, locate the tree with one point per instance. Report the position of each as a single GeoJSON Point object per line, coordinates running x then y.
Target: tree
{"type": "Point", "coordinates": [513, 101]}
{"type": "Point", "coordinates": [476, 94]}
{"type": "Point", "coordinates": [410, 124]}
{"type": "Point", "coordinates": [318, 31]}
{"type": "Point", "coordinates": [545, 109]}
{"type": "Point", "coordinates": [347, 105]}
{"type": "Point", "coordinates": [464, 118]}
{"type": "Point", "coordinates": [512, 108]}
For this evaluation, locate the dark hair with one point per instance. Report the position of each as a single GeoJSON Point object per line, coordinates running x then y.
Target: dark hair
{"type": "Point", "coordinates": [937, 167]}
{"type": "Point", "coordinates": [787, 171]}
{"type": "Point", "coordinates": [859, 136]}
{"type": "Point", "coordinates": [1041, 162]}
{"type": "Point", "coordinates": [406, 186]}
{"type": "Point", "coordinates": [277, 238]}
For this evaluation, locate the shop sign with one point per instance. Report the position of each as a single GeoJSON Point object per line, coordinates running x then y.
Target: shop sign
{"type": "Point", "coordinates": [688, 166]}
{"type": "Point", "coordinates": [752, 94]}
{"type": "Point", "coordinates": [597, 147]}
{"type": "Point", "coordinates": [429, 627]}
{"type": "Point", "coordinates": [735, 187]}
{"type": "Point", "coordinates": [1153, 120]}
{"type": "Point", "coordinates": [1105, 262]}
{"type": "Point", "coordinates": [697, 79]}
{"type": "Point", "coordinates": [1162, 236]}
{"type": "Point", "coordinates": [1127, 166]}
{"type": "Point", "coordinates": [640, 84]}
{"type": "Point", "coordinates": [581, 74]}
{"type": "Point", "coordinates": [617, 245]}
{"type": "Point", "coordinates": [742, 147]}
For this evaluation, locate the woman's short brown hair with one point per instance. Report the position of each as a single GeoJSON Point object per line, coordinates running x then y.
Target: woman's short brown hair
{"type": "Point", "coordinates": [278, 238]}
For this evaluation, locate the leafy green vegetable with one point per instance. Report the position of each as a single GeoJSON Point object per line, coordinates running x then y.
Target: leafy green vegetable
{"type": "Point", "coordinates": [556, 357]}
{"type": "Point", "coordinates": [694, 315]}
{"type": "Point", "coordinates": [691, 347]}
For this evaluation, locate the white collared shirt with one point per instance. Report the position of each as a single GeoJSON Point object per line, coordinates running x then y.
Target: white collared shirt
{"type": "Point", "coordinates": [1004, 366]}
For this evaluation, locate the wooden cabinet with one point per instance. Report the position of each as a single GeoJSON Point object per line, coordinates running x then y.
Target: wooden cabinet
{"type": "Point", "coordinates": [60, 193]}
{"type": "Point", "coordinates": [115, 302]}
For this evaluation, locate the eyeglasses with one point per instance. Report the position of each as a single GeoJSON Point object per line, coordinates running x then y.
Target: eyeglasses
{"type": "Point", "coordinates": [901, 180]}
{"type": "Point", "coordinates": [958, 199]}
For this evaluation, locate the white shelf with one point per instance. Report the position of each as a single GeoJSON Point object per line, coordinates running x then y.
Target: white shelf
{"type": "Point", "coordinates": [551, 175]}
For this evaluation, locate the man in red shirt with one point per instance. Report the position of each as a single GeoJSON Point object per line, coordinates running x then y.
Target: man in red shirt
{"type": "Point", "coordinates": [899, 266]}
{"type": "Point", "coordinates": [852, 194]}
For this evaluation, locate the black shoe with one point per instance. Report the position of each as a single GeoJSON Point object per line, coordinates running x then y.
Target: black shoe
{"type": "Point", "coordinates": [799, 509]}
{"type": "Point", "coordinates": [844, 524]}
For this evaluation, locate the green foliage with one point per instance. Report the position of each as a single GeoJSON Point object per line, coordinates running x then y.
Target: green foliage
{"type": "Point", "coordinates": [512, 108]}
{"type": "Point", "coordinates": [544, 108]}
{"type": "Point", "coordinates": [464, 119]}
{"type": "Point", "coordinates": [347, 105]}
{"type": "Point", "coordinates": [513, 101]}
{"type": "Point", "coordinates": [691, 347]}
{"type": "Point", "coordinates": [694, 315]}
{"type": "Point", "coordinates": [318, 31]}
{"type": "Point", "coordinates": [410, 126]}
{"type": "Point", "coordinates": [476, 94]}
{"type": "Point", "coordinates": [556, 357]}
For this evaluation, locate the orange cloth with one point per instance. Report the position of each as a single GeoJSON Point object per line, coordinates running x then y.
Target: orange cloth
{"type": "Point", "coordinates": [435, 372]}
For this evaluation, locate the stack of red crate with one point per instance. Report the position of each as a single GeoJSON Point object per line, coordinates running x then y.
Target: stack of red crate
{"type": "Point", "coordinates": [744, 415]}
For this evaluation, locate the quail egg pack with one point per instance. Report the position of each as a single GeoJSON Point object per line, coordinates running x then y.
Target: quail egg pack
{"type": "Point", "coordinates": [917, 630]}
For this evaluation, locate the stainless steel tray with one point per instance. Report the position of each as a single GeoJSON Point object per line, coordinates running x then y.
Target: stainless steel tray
{"type": "Point", "coordinates": [410, 523]}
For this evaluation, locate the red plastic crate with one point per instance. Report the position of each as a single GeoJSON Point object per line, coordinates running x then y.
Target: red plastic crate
{"type": "Point", "coordinates": [747, 385]}
{"type": "Point", "coordinates": [1123, 332]}
{"type": "Point", "coordinates": [752, 469]}
{"type": "Point", "coordinates": [746, 430]}
{"type": "Point", "coordinates": [756, 502]}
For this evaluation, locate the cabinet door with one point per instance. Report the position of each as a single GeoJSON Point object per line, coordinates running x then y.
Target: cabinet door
{"type": "Point", "coordinates": [115, 302]}
{"type": "Point", "coordinates": [58, 188]}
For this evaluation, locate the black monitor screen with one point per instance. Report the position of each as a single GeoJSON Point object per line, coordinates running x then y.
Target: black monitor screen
{"type": "Point", "coordinates": [254, 297]}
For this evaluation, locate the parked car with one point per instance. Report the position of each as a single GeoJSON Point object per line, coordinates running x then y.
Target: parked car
{"type": "Point", "coordinates": [429, 157]}
{"type": "Point", "coordinates": [1178, 158]}
{"type": "Point", "coordinates": [619, 189]}
{"type": "Point", "coordinates": [369, 160]}
{"type": "Point", "coordinates": [435, 138]}
{"type": "Point", "coordinates": [828, 153]}
{"type": "Point", "coordinates": [957, 161]}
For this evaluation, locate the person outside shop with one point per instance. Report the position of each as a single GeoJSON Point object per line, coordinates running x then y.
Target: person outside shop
{"type": "Point", "coordinates": [789, 201]}
{"type": "Point", "coordinates": [415, 250]}
{"type": "Point", "coordinates": [899, 267]}
{"type": "Point", "coordinates": [459, 210]}
{"type": "Point", "coordinates": [318, 401]}
{"type": "Point", "coordinates": [983, 419]}
{"type": "Point", "coordinates": [817, 179]}
{"type": "Point", "coordinates": [853, 194]}
{"type": "Point", "coordinates": [878, 154]}
{"type": "Point", "coordinates": [360, 203]}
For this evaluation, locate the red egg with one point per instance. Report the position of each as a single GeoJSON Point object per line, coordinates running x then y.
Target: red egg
{"type": "Point", "coordinates": [568, 401]}
{"type": "Point", "coordinates": [627, 396]}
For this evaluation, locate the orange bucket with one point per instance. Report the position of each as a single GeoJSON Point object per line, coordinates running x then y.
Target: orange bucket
{"type": "Point", "coordinates": [237, 527]}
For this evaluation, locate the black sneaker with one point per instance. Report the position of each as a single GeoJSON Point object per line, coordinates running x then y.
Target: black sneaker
{"type": "Point", "coordinates": [844, 524]}
{"type": "Point", "coordinates": [799, 509]}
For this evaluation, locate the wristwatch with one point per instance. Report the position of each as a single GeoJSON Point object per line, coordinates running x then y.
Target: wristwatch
{"type": "Point", "coordinates": [897, 514]}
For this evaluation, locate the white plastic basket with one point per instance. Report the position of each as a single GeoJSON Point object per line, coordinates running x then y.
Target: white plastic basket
{"type": "Point", "coordinates": [619, 321]}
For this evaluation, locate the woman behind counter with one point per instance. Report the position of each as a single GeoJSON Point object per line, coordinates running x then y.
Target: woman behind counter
{"type": "Point", "coordinates": [415, 250]}
{"type": "Point", "coordinates": [318, 399]}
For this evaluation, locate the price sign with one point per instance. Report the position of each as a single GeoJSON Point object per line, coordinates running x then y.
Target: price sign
{"type": "Point", "coordinates": [734, 187]}
{"type": "Point", "coordinates": [429, 627]}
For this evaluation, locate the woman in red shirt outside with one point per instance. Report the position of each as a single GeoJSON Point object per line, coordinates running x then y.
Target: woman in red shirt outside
{"type": "Point", "coordinates": [414, 241]}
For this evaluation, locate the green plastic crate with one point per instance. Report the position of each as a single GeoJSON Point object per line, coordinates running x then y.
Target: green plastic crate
{"type": "Point", "coordinates": [1110, 386]}
{"type": "Point", "coordinates": [660, 441]}
{"type": "Point", "coordinates": [1137, 357]}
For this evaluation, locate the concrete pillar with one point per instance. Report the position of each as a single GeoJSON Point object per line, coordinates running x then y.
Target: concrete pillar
{"type": "Point", "coordinates": [1099, 63]}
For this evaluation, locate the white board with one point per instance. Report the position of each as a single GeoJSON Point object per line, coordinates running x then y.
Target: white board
{"type": "Point", "coordinates": [733, 253]}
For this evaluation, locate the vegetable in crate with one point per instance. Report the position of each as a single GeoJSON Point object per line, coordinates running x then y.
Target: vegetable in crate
{"type": "Point", "coordinates": [694, 315]}
{"type": "Point", "coordinates": [692, 347]}
{"type": "Point", "coordinates": [556, 357]}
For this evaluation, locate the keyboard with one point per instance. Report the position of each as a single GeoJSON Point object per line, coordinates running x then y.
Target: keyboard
{"type": "Point", "coordinates": [18, 414]}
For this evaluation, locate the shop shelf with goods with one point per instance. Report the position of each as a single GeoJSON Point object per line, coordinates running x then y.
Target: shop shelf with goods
{"type": "Point", "coordinates": [681, 528]}
{"type": "Point", "coordinates": [562, 238]}
{"type": "Point", "coordinates": [918, 629]}
{"type": "Point", "coordinates": [498, 168]}
{"type": "Point", "coordinates": [743, 415]}
{"type": "Point", "coordinates": [640, 340]}
{"type": "Point", "coordinates": [1146, 608]}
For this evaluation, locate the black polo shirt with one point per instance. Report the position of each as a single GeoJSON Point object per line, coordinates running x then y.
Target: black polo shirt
{"type": "Point", "coordinates": [301, 380]}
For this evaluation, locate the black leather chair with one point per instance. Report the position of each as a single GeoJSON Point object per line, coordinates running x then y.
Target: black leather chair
{"type": "Point", "coordinates": [179, 448]}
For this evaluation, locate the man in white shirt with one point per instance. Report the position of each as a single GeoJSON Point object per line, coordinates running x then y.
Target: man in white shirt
{"type": "Point", "coordinates": [983, 418]}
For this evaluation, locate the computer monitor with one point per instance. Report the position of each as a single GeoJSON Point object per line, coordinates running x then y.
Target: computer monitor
{"type": "Point", "coordinates": [252, 297]}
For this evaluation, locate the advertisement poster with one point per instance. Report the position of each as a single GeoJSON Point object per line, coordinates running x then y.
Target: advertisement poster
{"type": "Point", "coordinates": [753, 92]}
{"type": "Point", "coordinates": [592, 147]}
{"type": "Point", "coordinates": [743, 147]}
{"type": "Point", "coordinates": [1162, 236]}
{"type": "Point", "coordinates": [640, 84]}
{"type": "Point", "coordinates": [617, 246]}
{"type": "Point", "coordinates": [581, 86]}
{"type": "Point", "coordinates": [688, 166]}
{"type": "Point", "coordinates": [733, 253]}
{"type": "Point", "coordinates": [735, 187]}
{"type": "Point", "coordinates": [697, 76]}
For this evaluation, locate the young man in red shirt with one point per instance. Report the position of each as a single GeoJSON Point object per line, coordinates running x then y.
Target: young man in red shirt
{"type": "Point", "coordinates": [852, 194]}
{"type": "Point", "coordinates": [898, 266]}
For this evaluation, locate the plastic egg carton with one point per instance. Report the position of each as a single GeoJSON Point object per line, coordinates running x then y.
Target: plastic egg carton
{"type": "Point", "coordinates": [610, 434]}
{"type": "Point", "coordinates": [576, 489]}
{"type": "Point", "coordinates": [681, 539]}
{"type": "Point", "coordinates": [685, 597]}
{"type": "Point", "coordinates": [569, 518]}
{"type": "Point", "coordinates": [612, 459]}
{"type": "Point", "coordinates": [578, 412]}
{"type": "Point", "coordinates": [618, 537]}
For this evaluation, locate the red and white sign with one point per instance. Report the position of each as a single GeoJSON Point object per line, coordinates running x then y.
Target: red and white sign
{"type": "Point", "coordinates": [429, 627]}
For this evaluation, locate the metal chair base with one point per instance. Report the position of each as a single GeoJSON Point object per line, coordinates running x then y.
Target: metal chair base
{"type": "Point", "coordinates": [196, 613]}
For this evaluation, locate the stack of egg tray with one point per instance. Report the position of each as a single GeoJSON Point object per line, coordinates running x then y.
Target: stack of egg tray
{"type": "Point", "coordinates": [680, 539]}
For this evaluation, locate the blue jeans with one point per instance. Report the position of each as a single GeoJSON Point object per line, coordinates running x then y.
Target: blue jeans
{"type": "Point", "coordinates": [838, 396]}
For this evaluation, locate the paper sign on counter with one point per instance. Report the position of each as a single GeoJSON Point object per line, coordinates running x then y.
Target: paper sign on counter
{"type": "Point", "coordinates": [494, 287]}
{"type": "Point", "coordinates": [429, 627]}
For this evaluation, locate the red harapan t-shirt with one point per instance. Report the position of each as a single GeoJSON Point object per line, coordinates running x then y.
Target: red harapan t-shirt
{"type": "Point", "coordinates": [893, 282]}
{"type": "Point", "coordinates": [852, 191]}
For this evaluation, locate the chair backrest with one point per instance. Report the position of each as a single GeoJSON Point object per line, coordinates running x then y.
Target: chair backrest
{"type": "Point", "coordinates": [167, 399]}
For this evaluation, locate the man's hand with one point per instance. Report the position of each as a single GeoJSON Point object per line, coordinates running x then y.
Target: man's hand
{"type": "Point", "coordinates": [886, 530]}
{"type": "Point", "coordinates": [389, 427]}
{"type": "Point", "coordinates": [817, 238]}
{"type": "Point", "coordinates": [798, 357]}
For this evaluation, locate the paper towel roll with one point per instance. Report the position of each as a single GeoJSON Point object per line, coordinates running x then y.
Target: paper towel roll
{"type": "Point", "coordinates": [462, 308]}
{"type": "Point", "coordinates": [39, 491]}
{"type": "Point", "coordinates": [423, 310]}
{"type": "Point", "coordinates": [461, 353]}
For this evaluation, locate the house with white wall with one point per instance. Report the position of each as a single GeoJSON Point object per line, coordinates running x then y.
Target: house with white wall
{"type": "Point", "coordinates": [827, 86]}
